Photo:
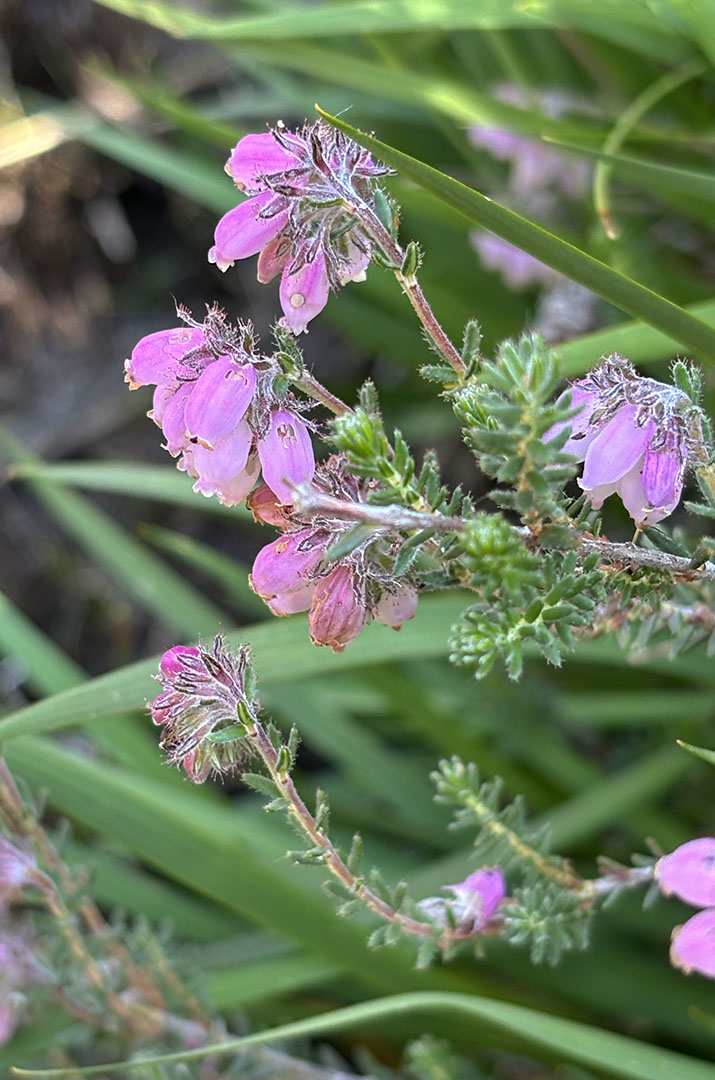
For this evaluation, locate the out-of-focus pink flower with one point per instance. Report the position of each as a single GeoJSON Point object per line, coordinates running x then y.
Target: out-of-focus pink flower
{"type": "Point", "coordinates": [534, 164]}
{"type": "Point", "coordinates": [692, 946]}
{"type": "Point", "coordinates": [204, 690]}
{"type": "Point", "coordinates": [477, 897]}
{"type": "Point", "coordinates": [17, 868]}
{"type": "Point", "coordinates": [473, 903]}
{"type": "Point", "coordinates": [689, 872]}
{"type": "Point", "coordinates": [300, 217]}
{"type": "Point", "coordinates": [635, 437]}
{"type": "Point", "coordinates": [518, 269]}
{"type": "Point", "coordinates": [217, 408]}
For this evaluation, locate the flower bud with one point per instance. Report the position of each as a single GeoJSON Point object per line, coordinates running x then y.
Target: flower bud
{"type": "Point", "coordinates": [396, 607]}
{"type": "Point", "coordinates": [337, 613]}
{"type": "Point", "coordinates": [266, 509]}
{"type": "Point", "coordinates": [204, 692]}
{"type": "Point", "coordinates": [689, 872]}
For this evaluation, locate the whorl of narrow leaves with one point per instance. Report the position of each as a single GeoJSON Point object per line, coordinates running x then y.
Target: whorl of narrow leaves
{"type": "Point", "coordinates": [496, 555]}
{"type": "Point", "coordinates": [544, 612]}
{"type": "Point", "coordinates": [505, 410]}
{"type": "Point", "coordinates": [548, 919]}
{"type": "Point", "coordinates": [361, 436]}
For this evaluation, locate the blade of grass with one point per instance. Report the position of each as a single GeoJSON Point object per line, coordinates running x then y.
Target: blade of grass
{"type": "Point", "coordinates": [622, 291]}
{"type": "Point", "coordinates": [616, 1055]}
{"type": "Point", "coordinates": [156, 482]}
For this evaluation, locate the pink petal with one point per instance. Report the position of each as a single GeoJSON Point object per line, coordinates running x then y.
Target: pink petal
{"type": "Point", "coordinates": [273, 258]}
{"type": "Point", "coordinates": [219, 399]}
{"type": "Point", "coordinates": [157, 357]}
{"type": "Point", "coordinates": [630, 488]}
{"type": "Point", "coordinates": [173, 423]}
{"type": "Point", "coordinates": [286, 454]}
{"type": "Point", "coordinates": [689, 872]}
{"type": "Point", "coordinates": [693, 944]}
{"type": "Point", "coordinates": [358, 262]}
{"type": "Point", "coordinates": [305, 293]}
{"type": "Point", "coordinates": [293, 602]}
{"type": "Point", "coordinates": [479, 896]}
{"type": "Point", "coordinates": [598, 495]}
{"type": "Point", "coordinates": [581, 437]}
{"type": "Point", "coordinates": [220, 470]}
{"type": "Point", "coordinates": [162, 396]}
{"type": "Point", "coordinates": [259, 155]}
{"type": "Point", "coordinates": [241, 232]}
{"type": "Point", "coordinates": [395, 608]}
{"type": "Point", "coordinates": [616, 449]}
{"type": "Point", "coordinates": [662, 477]}
{"type": "Point", "coordinates": [172, 662]}
{"type": "Point", "coordinates": [285, 565]}
{"type": "Point", "coordinates": [337, 614]}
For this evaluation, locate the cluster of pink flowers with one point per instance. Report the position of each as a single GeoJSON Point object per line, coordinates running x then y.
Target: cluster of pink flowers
{"type": "Point", "coordinates": [216, 404]}
{"type": "Point", "coordinates": [473, 903]}
{"type": "Point", "coordinates": [689, 873]}
{"type": "Point", "coordinates": [205, 690]}
{"type": "Point", "coordinates": [294, 572]}
{"type": "Point", "coordinates": [636, 437]}
{"type": "Point", "coordinates": [305, 189]}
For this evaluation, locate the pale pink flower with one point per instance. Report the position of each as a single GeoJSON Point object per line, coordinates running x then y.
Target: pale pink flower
{"type": "Point", "coordinates": [693, 944]}
{"type": "Point", "coordinates": [689, 872]}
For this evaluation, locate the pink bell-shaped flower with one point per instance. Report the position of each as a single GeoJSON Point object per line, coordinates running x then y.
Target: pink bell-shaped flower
{"type": "Point", "coordinates": [286, 454]}
{"type": "Point", "coordinates": [689, 872]}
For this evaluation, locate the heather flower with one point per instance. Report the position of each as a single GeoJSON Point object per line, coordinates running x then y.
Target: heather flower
{"type": "Point", "coordinates": [689, 872]}
{"type": "Point", "coordinates": [473, 903]}
{"type": "Point", "coordinates": [692, 945]}
{"type": "Point", "coordinates": [305, 190]}
{"type": "Point", "coordinates": [636, 437]}
{"type": "Point", "coordinates": [218, 410]}
{"type": "Point", "coordinates": [535, 166]}
{"type": "Point", "coordinates": [206, 693]}
{"type": "Point", "coordinates": [294, 574]}
{"type": "Point", "coordinates": [17, 869]}
{"type": "Point", "coordinates": [518, 269]}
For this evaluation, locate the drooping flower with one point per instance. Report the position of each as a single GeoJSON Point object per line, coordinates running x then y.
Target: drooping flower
{"type": "Point", "coordinates": [205, 693]}
{"type": "Point", "coordinates": [216, 404]}
{"type": "Point", "coordinates": [636, 437]}
{"type": "Point", "coordinates": [689, 872]}
{"type": "Point", "coordinates": [294, 574]}
{"type": "Point", "coordinates": [473, 903]}
{"type": "Point", "coordinates": [304, 189]}
{"type": "Point", "coordinates": [692, 945]}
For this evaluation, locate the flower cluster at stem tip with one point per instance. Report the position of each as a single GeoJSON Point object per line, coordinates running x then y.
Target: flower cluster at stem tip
{"type": "Point", "coordinates": [304, 188]}
{"type": "Point", "coordinates": [217, 405]}
{"type": "Point", "coordinates": [636, 437]}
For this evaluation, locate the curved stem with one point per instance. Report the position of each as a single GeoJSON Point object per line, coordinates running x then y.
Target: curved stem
{"type": "Point", "coordinates": [630, 116]}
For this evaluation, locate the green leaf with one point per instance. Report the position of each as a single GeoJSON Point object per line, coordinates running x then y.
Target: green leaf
{"type": "Point", "coordinates": [160, 483]}
{"type": "Point", "coordinates": [699, 751]}
{"type": "Point", "coordinates": [622, 291]}
{"type": "Point", "coordinates": [609, 1053]}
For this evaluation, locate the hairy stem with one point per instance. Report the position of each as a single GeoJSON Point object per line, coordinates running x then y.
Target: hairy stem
{"type": "Point", "coordinates": [331, 857]}
{"type": "Point", "coordinates": [410, 286]}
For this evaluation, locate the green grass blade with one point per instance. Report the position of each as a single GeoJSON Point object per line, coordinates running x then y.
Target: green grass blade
{"type": "Point", "coordinates": [699, 751]}
{"type": "Point", "coordinates": [160, 483]}
{"type": "Point", "coordinates": [614, 1055]}
{"type": "Point", "coordinates": [640, 342]}
{"type": "Point", "coordinates": [613, 286]}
